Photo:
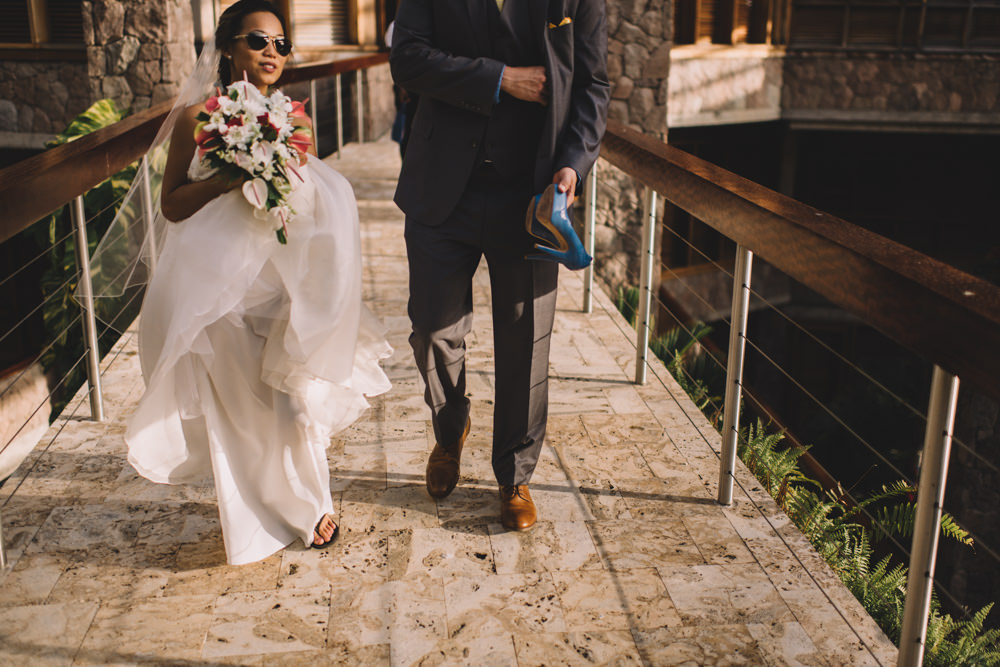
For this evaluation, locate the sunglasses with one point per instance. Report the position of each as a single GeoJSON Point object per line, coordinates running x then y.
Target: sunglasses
{"type": "Point", "coordinates": [258, 41]}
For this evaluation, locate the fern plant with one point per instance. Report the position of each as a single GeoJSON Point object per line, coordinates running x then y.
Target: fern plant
{"type": "Point", "coordinates": [777, 469]}
{"type": "Point", "coordinates": [900, 518]}
{"type": "Point", "coordinates": [950, 642]}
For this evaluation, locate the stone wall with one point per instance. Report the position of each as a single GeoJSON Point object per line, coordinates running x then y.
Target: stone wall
{"type": "Point", "coordinates": [638, 63]}
{"type": "Point", "coordinates": [904, 88]}
{"type": "Point", "coordinates": [639, 39]}
{"type": "Point", "coordinates": [713, 85]}
{"type": "Point", "coordinates": [38, 99]}
{"type": "Point", "coordinates": [138, 52]}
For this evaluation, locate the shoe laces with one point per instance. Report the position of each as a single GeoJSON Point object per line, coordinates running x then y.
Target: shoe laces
{"type": "Point", "coordinates": [511, 491]}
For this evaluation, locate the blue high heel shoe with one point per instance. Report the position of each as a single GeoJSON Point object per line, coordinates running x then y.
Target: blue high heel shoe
{"type": "Point", "coordinates": [548, 221]}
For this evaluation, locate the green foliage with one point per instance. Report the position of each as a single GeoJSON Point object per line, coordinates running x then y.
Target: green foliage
{"type": "Point", "coordinates": [100, 114]}
{"type": "Point", "coordinates": [832, 521]}
{"type": "Point", "coordinates": [881, 589]}
{"type": "Point", "coordinates": [55, 233]}
{"type": "Point", "coordinates": [776, 468]}
{"type": "Point", "coordinates": [627, 303]}
{"type": "Point", "coordinates": [950, 642]}
{"type": "Point", "coordinates": [900, 518]}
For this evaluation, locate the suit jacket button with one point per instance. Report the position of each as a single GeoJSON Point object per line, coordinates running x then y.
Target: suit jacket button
{"type": "Point", "coordinates": [475, 144]}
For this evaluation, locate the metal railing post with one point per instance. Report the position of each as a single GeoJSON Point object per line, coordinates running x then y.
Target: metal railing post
{"type": "Point", "coordinates": [147, 214]}
{"type": "Point", "coordinates": [927, 524]}
{"type": "Point", "coordinates": [338, 94]}
{"type": "Point", "coordinates": [358, 75]}
{"type": "Point", "coordinates": [589, 224]}
{"type": "Point", "coordinates": [314, 113]}
{"type": "Point", "coordinates": [734, 372]}
{"type": "Point", "coordinates": [87, 304]}
{"type": "Point", "coordinates": [646, 285]}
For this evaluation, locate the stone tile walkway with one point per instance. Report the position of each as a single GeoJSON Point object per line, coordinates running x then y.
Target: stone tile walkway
{"type": "Point", "coordinates": [632, 561]}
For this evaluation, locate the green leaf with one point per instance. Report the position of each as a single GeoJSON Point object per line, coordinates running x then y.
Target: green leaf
{"type": "Point", "coordinates": [100, 114]}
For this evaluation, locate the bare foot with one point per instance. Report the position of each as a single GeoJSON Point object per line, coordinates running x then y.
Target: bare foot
{"type": "Point", "coordinates": [324, 530]}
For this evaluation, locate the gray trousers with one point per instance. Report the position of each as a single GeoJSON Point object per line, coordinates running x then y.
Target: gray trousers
{"type": "Point", "coordinates": [488, 221]}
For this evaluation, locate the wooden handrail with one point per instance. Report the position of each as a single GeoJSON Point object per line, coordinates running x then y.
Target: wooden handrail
{"type": "Point", "coordinates": [322, 68]}
{"type": "Point", "coordinates": [945, 315]}
{"type": "Point", "coordinates": [33, 188]}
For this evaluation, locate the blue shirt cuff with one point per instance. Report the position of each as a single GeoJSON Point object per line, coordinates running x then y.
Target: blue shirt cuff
{"type": "Point", "coordinates": [496, 95]}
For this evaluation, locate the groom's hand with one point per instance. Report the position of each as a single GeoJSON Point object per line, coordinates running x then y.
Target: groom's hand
{"type": "Point", "coordinates": [565, 180]}
{"type": "Point", "coordinates": [525, 83]}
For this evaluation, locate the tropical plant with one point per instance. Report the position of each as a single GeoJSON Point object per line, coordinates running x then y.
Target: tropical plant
{"type": "Point", "coordinates": [950, 642]}
{"type": "Point", "coordinates": [54, 233]}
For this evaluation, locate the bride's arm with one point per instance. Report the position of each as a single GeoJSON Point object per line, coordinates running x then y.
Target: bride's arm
{"type": "Point", "coordinates": [181, 198]}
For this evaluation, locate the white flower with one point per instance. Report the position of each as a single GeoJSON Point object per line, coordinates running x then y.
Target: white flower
{"type": "Point", "coordinates": [262, 153]}
{"type": "Point", "coordinates": [278, 215]}
{"type": "Point", "coordinates": [267, 163]}
{"type": "Point", "coordinates": [255, 192]}
{"type": "Point", "coordinates": [243, 161]}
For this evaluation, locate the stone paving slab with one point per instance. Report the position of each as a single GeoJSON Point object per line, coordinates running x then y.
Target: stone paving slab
{"type": "Point", "coordinates": [632, 561]}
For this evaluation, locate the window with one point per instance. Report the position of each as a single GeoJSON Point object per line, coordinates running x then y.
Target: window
{"type": "Point", "coordinates": [315, 23]}
{"type": "Point", "coordinates": [320, 23]}
{"type": "Point", "coordinates": [41, 23]}
{"type": "Point", "coordinates": [722, 21]}
{"type": "Point", "coordinates": [953, 25]}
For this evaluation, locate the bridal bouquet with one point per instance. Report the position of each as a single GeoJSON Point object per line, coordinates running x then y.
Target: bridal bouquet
{"type": "Point", "coordinates": [249, 136]}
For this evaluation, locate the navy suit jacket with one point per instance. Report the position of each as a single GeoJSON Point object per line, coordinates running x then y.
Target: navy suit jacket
{"type": "Point", "coordinates": [440, 50]}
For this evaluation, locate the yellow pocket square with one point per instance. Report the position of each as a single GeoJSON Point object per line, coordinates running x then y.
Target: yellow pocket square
{"type": "Point", "coordinates": [566, 21]}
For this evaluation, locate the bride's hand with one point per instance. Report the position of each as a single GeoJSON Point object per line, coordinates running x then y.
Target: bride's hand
{"type": "Point", "coordinates": [223, 184]}
{"type": "Point", "coordinates": [179, 197]}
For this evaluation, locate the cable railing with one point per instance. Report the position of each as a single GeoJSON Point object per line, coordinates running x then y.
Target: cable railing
{"type": "Point", "coordinates": [946, 317]}
{"type": "Point", "coordinates": [63, 175]}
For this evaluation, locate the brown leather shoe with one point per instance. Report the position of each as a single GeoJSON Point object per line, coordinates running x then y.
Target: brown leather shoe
{"type": "Point", "coordinates": [517, 509]}
{"type": "Point", "coordinates": [443, 465]}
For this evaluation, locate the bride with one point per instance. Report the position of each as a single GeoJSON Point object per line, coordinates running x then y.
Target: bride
{"type": "Point", "coordinates": [253, 352]}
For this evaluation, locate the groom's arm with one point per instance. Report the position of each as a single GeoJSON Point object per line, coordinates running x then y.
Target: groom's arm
{"type": "Point", "coordinates": [421, 66]}
{"type": "Point", "coordinates": [580, 142]}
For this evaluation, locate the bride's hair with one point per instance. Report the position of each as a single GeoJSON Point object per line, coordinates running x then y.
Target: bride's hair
{"type": "Point", "coordinates": [231, 24]}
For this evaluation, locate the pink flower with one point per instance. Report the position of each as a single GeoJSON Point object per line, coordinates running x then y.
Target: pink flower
{"type": "Point", "coordinates": [207, 140]}
{"type": "Point", "coordinates": [299, 109]}
{"type": "Point", "coordinates": [301, 138]}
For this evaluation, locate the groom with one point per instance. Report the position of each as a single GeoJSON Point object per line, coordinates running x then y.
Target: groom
{"type": "Point", "coordinates": [513, 96]}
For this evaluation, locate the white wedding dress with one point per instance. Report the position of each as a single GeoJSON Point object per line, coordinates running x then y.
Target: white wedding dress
{"type": "Point", "coordinates": [254, 353]}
